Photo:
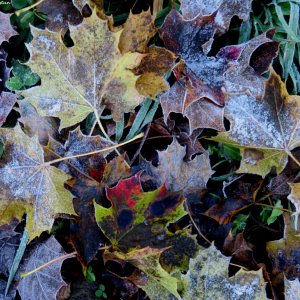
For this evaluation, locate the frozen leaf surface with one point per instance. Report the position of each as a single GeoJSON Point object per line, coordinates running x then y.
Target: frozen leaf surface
{"type": "Point", "coordinates": [295, 199]}
{"type": "Point", "coordinates": [29, 185]}
{"type": "Point", "coordinates": [225, 10]}
{"type": "Point", "coordinates": [266, 129]}
{"type": "Point", "coordinates": [190, 176]}
{"type": "Point", "coordinates": [11, 293]}
{"type": "Point", "coordinates": [292, 289]}
{"type": "Point", "coordinates": [207, 278]}
{"type": "Point", "coordinates": [84, 78]}
{"type": "Point", "coordinates": [45, 283]}
{"type": "Point", "coordinates": [6, 31]}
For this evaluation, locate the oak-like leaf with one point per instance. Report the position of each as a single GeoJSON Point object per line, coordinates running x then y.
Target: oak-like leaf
{"type": "Point", "coordinates": [6, 30]}
{"type": "Point", "coordinates": [30, 186]}
{"type": "Point", "coordinates": [84, 78]}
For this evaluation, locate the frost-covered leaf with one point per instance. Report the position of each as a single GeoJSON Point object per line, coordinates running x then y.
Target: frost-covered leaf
{"type": "Point", "coordinates": [225, 10]}
{"type": "Point", "coordinates": [6, 30]}
{"type": "Point", "coordinates": [34, 124]}
{"type": "Point", "coordinates": [45, 283]}
{"type": "Point", "coordinates": [28, 185]}
{"type": "Point", "coordinates": [207, 278]}
{"type": "Point", "coordinates": [9, 242]}
{"type": "Point", "coordinates": [60, 13]}
{"type": "Point", "coordinates": [11, 293]}
{"type": "Point", "coordinates": [147, 261]}
{"type": "Point", "coordinates": [294, 196]}
{"type": "Point", "coordinates": [83, 78]}
{"type": "Point", "coordinates": [137, 32]}
{"type": "Point", "coordinates": [139, 219]}
{"type": "Point", "coordinates": [266, 129]}
{"type": "Point", "coordinates": [179, 175]}
{"type": "Point", "coordinates": [292, 289]}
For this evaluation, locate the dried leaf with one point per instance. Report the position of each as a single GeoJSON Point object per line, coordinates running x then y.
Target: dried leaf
{"type": "Point", "coordinates": [207, 278]}
{"type": "Point", "coordinates": [224, 9]}
{"type": "Point", "coordinates": [44, 283]}
{"type": "Point", "coordinates": [292, 289]}
{"type": "Point", "coordinates": [137, 32]}
{"type": "Point", "coordinates": [30, 186]}
{"type": "Point", "coordinates": [178, 175]}
{"type": "Point", "coordinates": [60, 13]}
{"type": "Point", "coordinates": [69, 89]}
{"type": "Point", "coordinates": [6, 31]}
{"type": "Point", "coordinates": [265, 130]}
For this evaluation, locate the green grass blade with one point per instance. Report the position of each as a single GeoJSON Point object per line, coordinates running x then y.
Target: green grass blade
{"type": "Point", "coordinates": [119, 129]}
{"type": "Point", "coordinates": [150, 114]}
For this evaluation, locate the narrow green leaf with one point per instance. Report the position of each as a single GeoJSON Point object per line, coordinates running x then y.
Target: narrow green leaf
{"type": "Point", "coordinates": [150, 114]}
{"type": "Point", "coordinates": [17, 259]}
{"type": "Point", "coordinates": [119, 129]}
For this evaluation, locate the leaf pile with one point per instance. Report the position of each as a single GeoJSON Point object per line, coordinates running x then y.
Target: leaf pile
{"type": "Point", "coordinates": [147, 151]}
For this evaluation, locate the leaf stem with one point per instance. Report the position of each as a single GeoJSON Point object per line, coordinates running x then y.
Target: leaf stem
{"type": "Point", "coordinates": [18, 12]}
{"type": "Point", "coordinates": [93, 152]}
{"type": "Point", "coordinates": [293, 158]}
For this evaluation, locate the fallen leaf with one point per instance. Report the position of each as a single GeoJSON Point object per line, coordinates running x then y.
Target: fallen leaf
{"type": "Point", "coordinates": [147, 260]}
{"type": "Point", "coordinates": [207, 278]}
{"type": "Point", "coordinates": [292, 289]}
{"type": "Point", "coordinates": [11, 293]}
{"type": "Point", "coordinates": [60, 13]}
{"type": "Point", "coordinates": [69, 89]}
{"type": "Point", "coordinates": [47, 282]}
{"type": "Point", "coordinates": [137, 32]}
{"type": "Point", "coordinates": [153, 67]}
{"type": "Point", "coordinates": [179, 175]}
{"type": "Point", "coordinates": [29, 185]}
{"type": "Point", "coordinates": [139, 219]}
{"type": "Point", "coordinates": [6, 30]}
{"type": "Point", "coordinates": [34, 124]}
{"type": "Point", "coordinates": [266, 129]}
{"type": "Point", "coordinates": [224, 9]}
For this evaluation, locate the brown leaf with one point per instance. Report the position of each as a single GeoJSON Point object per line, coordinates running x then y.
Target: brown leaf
{"type": "Point", "coordinates": [137, 32]}
{"type": "Point", "coordinates": [60, 14]}
{"type": "Point", "coordinates": [225, 9]}
{"type": "Point", "coordinates": [6, 31]}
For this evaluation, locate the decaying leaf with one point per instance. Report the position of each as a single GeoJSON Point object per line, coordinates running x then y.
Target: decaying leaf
{"type": "Point", "coordinates": [139, 219]}
{"type": "Point", "coordinates": [44, 283]}
{"type": "Point", "coordinates": [84, 78]}
{"type": "Point", "coordinates": [292, 289]}
{"type": "Point", "coordinates": [224, 9]}
{"type": "Point", "coordinates": [34, 124]}
{"type": "Point", "coordinates": [28, 185]}
{"type": "Point", "coordinates": [6, 31]}
{"type": "Point", "coordinates": [137, 32]}
{"type": "Point", "coordinates": [207, 278]}
{"type": "Point", "coordinates": [295, 199]}
{"type": "Point", "coordinates": [179, 175]}
{"type": "Point", "coordinates": [60, 13]}
{"type": "Point", "coordinates": [265, 130]}
{"type": "Point", "coordinates": [147, 261]}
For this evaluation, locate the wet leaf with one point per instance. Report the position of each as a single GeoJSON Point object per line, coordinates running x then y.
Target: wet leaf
{"type": "Point", "coordinates": [69, 89]}
{"type": "Point", "coordinates": [47, 281]}
{"type": "Point", "coordinates": [30, 186]}
{"type": "Point", "coordinates": [207, 278]}
{"type": "Point", "coordinates": [265, 130]}
{"type": "Point", "coordinates": [224, 9]}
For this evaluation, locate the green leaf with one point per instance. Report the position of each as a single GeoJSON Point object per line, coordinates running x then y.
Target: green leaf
{"type": "Point", "coordinates": [239, 223]}
{"type": "Point", "coordinates": [90, 276]}
{"type": "Point", "coordinates": [14, 84]}
{"type": "Point", "coordinates": [275, 213]}
{"type": "Point", "coordinates": [18, 4]}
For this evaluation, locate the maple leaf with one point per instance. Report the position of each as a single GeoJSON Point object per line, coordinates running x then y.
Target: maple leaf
{"type": "Point", "coordinates": [190, 177]}
{"type": "Point", "coordinates": [6, 30]}
{"type": "Point", "coordinates": [44, 283]}
{"type": "Point", "coordinates": [85, 78]}
{"type": "Point", "coordinates": [292, 289]}
{"type": "Point", "coordinates": [224, 10]}
{"type": "Point", "coordinates": [137, 32]}
{"type": "Point", "coordinates": [34, 124]}
{"type": "Point", "coordinates": [147, 261]}
{"type": "Point", "coordinates": [29, 185]}
{"type": "Point", "coordinates": [284, 254]}
{"type": "Point", "coordinates": [139, 219]}
{"type": "Point", "coordinates": [60, 13]}
{"type": "Point", "coordinates": [266, 129]}
{"type": "Point", "coordinates": [207, 278]}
